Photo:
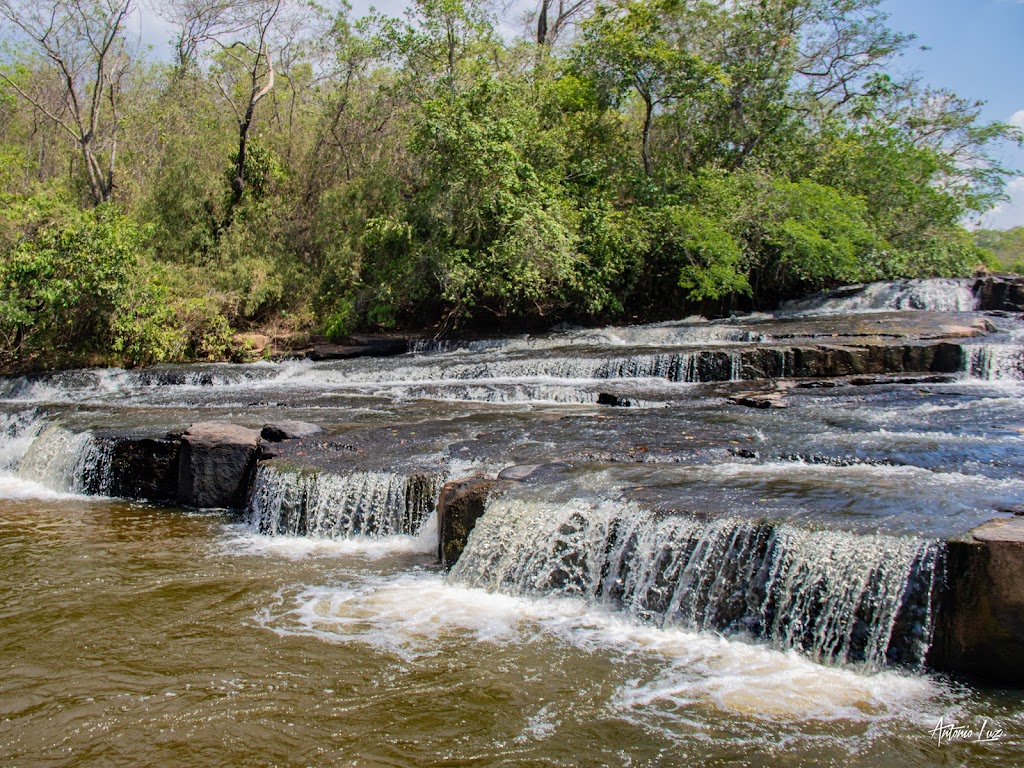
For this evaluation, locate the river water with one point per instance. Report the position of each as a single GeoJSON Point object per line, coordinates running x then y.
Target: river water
{"type": "Point", "coordinates": [132, 634]}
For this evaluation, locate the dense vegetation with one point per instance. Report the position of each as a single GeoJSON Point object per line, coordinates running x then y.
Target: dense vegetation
{"type": "Point", "coordinates": [1004, 248]}
{"type": "Point", "coordinates": [294, 169]}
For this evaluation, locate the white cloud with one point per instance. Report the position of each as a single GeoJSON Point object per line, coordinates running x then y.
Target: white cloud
{"type": "Point", "coordinates": [1008, 214]}
{"type": "Point", "coordinates": [1017, 118]}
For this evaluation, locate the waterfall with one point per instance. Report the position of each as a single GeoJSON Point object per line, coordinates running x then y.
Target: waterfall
{"type": "Point", "coordinates": [834, 596]}
{"type": "Point", "coordinates": [326, 505]}
{"type": "Point", "coordinates": [61, 460]}
{"type": "Point", "coordinates": [17, 432]}
{"type": "Point", "coordinates": [934, 295]}
{"type": "Point", "coordinates": [994, 362]}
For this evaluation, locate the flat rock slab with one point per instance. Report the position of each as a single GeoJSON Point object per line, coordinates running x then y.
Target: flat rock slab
{"type": "Point", "coordinates": [759, 399]}
{"type": "Point", "coordinates": [277, 431]}
{"type": "Point", "coordinates": [1008, 530]}
{"type": "Point", "coordinates": [215, 464]}
{"type": "Point", "coordinates": [359, 347]}
{"type": "Point", "coordinates": [881, 326]}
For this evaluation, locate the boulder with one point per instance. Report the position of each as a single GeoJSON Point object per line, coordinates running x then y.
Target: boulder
{"type": "Point", "coordinates": [520, 472]}
{"type": "Point", "coordinates": [215, 465]}
{"type": "Point", "coordinates": [980, 626]}
{"type": "Point", "coordinates": [759, 399]}
{"type": "Point", "coordinates": [144, 468]}
{"type": "Point", "coordinates": [606, 398]}
{"type": "Point", "coordinates": [277, 431]}
{"type": "Point", "coordinates": [1000, 293]}
{"type": "Point", "coordinates": [251, 344]}
{"type": "Point", "coordinates": [460, 505]}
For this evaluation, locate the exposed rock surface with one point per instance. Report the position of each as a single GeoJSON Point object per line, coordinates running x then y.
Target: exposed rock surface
{"type": "Point", "coordinates": [460, 505]}
{"type": "Point", "coordinates": [252, 344]}
{"type": "Point", "coordinates": [144, 468]}
{"type": "Point", "coordinates": [876, 327]}
{"type": "Point", "coordinates": [616, 401]}
{"type": "Point", "coordinates": [981, 626]}
{"type": "Point", "coordinates": [360, 346]}
{"type": "Point", "coordinates": [216, 464]}
{"type": "Point", "coordinates": [759, 399]}
{"type": "Point", "coordinates": [521, 472]}
{"type": "Point", "coordinates": [277, 431]}
{"type": "Point", "coordinates": [1000, 294]}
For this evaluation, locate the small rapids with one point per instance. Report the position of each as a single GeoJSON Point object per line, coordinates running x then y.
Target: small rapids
{"type": "Point", "coordinates": [325, 505]}
{"type": "Point", "coordinates": [935, 295]}
{"type": "Point", "coordinates": [728, 542]}
{"type": "Point", "coordinates": [835, 596]}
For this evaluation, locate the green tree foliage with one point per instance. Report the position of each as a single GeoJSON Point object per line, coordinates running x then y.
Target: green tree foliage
{"type": "Point", "coordinates": [1006, 247]}
{"type": "Point", "coordinates": [300, 170]}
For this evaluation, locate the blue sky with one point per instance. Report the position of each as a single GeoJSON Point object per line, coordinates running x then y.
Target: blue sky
{"type": "Point", "coordinates": [975, 48]}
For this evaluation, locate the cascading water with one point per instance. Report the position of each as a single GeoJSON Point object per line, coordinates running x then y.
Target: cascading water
{"type": "Point", "coordinates": [995, 362]}
{"type": "Point", "coordinates": [17, 432]}
{"type": "Point", "coordinates": [628, 632]}
{"type": "Point", "coordinates": [325, 505]}
{"type": "Point", "coordinates": [935, 295]}
{"type": "Point", "coordinates": [65, 461]}
{"type": "Point", "coordinates": [835, 596]}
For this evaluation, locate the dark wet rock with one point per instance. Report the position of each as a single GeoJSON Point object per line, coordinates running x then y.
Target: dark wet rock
{"type": "Point", "coordinates": [941, 379]}
{"type": "Point", "coordinates": [980, 628]}
{"type": "Point", "coordinates": [837, 461]}
{"type": "Point", "coordinates": [362, 346]}
{"type": "Point", "coordinates": [144, 468]}
{"type": "Point", "coordinates": [605, 398]}
{"type": "Point", "coordinates": [834, 361]}
{"type": "Point", "coordinates": [216, 464]}
{"type": "Point", "coordinates": [1000, 293]}
{"type": "Point", "coordinates": [288, 430]}
{"type": "Point", "coordinates": [460, 504]}
{"type": "Point", "coordinates": [743, 453]}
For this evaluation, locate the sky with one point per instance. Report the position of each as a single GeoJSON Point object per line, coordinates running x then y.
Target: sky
{"type": "Point", "coordinates": [972, 47]}
{"type": "Point", "coordinates": [976, 49]}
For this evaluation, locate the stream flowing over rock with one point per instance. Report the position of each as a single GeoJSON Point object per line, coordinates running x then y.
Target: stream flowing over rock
{"type": "Point", "coordinates": [831, 479]}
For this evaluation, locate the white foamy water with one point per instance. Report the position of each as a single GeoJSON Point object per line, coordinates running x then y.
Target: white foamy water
{"type": "Point", "coordinates": [417, 616]}
{"type": "Point", "coordinates": [47, 472]}
{"type": "Point", "coordinates": [935, 295]}
{"type": "Point", "coordinates": [333, 506]}
{"type": "Point", "coordinates": [854, 475]}
{"type": "Point", "coordinates": [65, 461]}
{"type": "Point", "coordinates": [243, 541]}
{"type": "Point", "coordinates": [689, 331]}
{"type": "Point", "coordinates": [17, 432]}
{"type": "Point", "coordinates": [994, 362]}
{"type": "Point", "coordinates": [836, 596]}
{"type": "Point", "coordinates": [16, 488]}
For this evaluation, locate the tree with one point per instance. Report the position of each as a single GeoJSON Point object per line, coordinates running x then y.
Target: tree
{"type": "Point", "coordinates": [548, 29]}
{"type": "Point", "coordinates": [81, 45]}
{"type": "Point", "coordinates": [239, 38]}
{"type": "Point", "coordinates": [633, 44]}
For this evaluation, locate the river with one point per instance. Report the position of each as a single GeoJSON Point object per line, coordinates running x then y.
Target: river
{"type": "Point", "coordinates": [135, 634]}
